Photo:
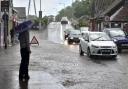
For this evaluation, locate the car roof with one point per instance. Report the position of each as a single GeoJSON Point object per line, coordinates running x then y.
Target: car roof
{"type": "Point", "coordinates": [95, 32]}
{"type": "Point", "coordinates": [112, 29]}
{"type": "Point", "coordinates": [89, 32]}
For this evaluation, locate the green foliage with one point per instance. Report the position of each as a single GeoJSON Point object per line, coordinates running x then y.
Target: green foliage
{"type": "Point", "coordinates": [77, 10]}
{"type": "Point", "coordinates": [44, 20]}
{"type": "Point", "coordinates": [82, 8]}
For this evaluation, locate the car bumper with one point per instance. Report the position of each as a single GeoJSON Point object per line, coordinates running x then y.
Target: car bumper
{"type": "Point", "coordinates": [122, 46]}
{"type": "Point", "coordinates": [104, 52]}
{"type": "Point", "coordinates": [75, 40]}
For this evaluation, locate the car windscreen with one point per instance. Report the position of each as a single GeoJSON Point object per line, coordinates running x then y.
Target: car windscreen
{"type": "Point", "coordinates": [75, 32]}
{"type": "Point", "coordinates": [99, 37]}
{"type": "Point", "coordinates": [116, 33]}
{"type": "Point", "coordinates": [83, 29]}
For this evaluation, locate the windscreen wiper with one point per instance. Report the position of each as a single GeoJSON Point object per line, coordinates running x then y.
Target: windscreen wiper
{"type": "Point", "coordinates": [97, 38]}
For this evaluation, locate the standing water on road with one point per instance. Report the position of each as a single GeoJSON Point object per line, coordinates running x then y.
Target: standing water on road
{"type": "Point", "coordinates": [56, 32]}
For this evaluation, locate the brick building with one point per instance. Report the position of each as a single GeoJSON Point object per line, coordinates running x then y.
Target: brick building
{"type": "Point", "coordinates": [108, 12]}
{"type": "Point", "coordinates": [10, 14]}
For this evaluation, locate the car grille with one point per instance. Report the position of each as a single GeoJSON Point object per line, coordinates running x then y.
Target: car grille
{"type": "Point", "coordinates": [106, 51]}
{"type": "Point", "coordinates": [105, 46]}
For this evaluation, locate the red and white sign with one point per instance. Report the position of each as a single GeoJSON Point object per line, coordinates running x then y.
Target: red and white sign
{"type": "Point", "coordinates": [34, 41]}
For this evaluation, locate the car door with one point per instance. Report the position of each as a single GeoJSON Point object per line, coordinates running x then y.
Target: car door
{"type": "Point", "coordinates": [85, 42]}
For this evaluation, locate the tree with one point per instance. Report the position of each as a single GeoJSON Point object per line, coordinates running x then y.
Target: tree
{"type": "Point", "coordinates": [77, 10]}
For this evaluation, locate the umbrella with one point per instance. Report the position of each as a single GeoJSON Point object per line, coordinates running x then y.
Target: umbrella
{"type": "Point", "coordinates": [26, 25]}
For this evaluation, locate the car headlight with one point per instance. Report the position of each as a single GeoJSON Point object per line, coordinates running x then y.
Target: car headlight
{"type": "Point", "coordinates": [94, 46]}
{"type": "Point", "coordinates": [115, 40]}
{"type": "Point", "coordinates": [71, 37]}
{"type": "Point", "coordinates": [114, 47]}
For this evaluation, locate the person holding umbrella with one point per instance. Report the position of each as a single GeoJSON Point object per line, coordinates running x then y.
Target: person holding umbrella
{"type": "Point", "coordinates": [23, 30]}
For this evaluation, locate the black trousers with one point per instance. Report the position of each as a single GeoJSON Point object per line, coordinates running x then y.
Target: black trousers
{"type": "Point", "coordinates": [24, 61]}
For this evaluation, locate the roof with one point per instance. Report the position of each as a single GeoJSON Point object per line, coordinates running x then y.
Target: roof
{"type": "Point", "coordinates": [21, 11]}
{"type": "Point", "coordinates": [113, 8]}
{"type": "Point", "coordinates": [122, 15]}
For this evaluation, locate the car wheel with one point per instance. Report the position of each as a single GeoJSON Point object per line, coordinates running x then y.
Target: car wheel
{"type": "Point", "coordinates": [81, 51]}
{"type": "Point", "coordinates": [89, 53]}
{"type": "Point", "coordinates": [69, 42]}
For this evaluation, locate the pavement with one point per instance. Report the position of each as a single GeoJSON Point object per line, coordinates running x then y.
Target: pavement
{"type": "Point", "coordinates": [9, 67]}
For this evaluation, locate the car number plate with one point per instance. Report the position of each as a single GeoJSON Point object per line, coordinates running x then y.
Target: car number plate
{"type": "Point", "coordinates": [105, 50]}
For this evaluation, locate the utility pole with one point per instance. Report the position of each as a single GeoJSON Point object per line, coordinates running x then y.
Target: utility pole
{"type": "Point", "coordinates": [40, 16]}
{"type": "Point", "coordinates": [29, 6]}
{"type": "Point", "coordinates": [92, 15]}
{"type": "Point", "coordinates": [35, 7]}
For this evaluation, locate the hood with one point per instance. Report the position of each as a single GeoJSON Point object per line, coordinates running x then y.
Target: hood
{"type": "Point", "coordinates": [121, 39]}
{"type": "Point", "coordinates": [75, 35]}
{"type": "Point", "coordinates": [103, 43]}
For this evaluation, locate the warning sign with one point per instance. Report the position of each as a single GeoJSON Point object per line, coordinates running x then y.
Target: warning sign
{"type": "Point", "coordinates": [34, 41]}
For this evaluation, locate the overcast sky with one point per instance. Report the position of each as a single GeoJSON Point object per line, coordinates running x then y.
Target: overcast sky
{"type": "Point", "coordinates": [49, 7]}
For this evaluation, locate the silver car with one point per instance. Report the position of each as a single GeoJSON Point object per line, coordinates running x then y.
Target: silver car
{"type": "Point", "coordinates": [97, 43]}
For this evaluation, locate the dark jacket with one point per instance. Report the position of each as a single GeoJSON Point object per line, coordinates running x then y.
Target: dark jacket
{"type": "Point", "coordinates": [24, 40]}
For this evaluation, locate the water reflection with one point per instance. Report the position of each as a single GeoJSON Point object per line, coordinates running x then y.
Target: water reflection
{"type": "Point", "coordinates": [23, 84]}
{"type": "Point", "coordinates": [55, 33]}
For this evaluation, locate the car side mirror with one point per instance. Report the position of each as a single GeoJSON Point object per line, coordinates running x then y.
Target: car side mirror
{"type": "Point", "coordinates": [86, 39]}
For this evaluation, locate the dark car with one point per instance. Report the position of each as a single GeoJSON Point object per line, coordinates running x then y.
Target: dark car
{"type": "Point", "coordinates": [74, 36]}
{"type": "Point", "coordinates": [119, 37]}
{"type": "Point", "coordinates": [66, 33]}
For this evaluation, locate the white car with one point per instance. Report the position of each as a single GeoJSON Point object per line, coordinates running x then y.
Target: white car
{"type": "Point", "coordinates": [97, 44]}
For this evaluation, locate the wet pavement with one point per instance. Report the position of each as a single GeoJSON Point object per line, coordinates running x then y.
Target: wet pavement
{"type": "Point", "coordinates": [39, 80]}
{"type": "Point", "coordinates": [59, 66]}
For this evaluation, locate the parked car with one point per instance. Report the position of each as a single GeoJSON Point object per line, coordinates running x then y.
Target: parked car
{"type": "Point", "coordinates": [97, 44]}
{"type": "Point", "coordinates": [119, 37]}
{"type": "Point", "coordinates": [74, 36]}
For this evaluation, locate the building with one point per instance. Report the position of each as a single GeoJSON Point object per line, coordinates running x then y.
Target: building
{"type": "Point", "coordinates": [9, 11]}
{"type": "Point", "coordinates": [21, 14]}
{"type": "Point", "coordinates": [106, 12]}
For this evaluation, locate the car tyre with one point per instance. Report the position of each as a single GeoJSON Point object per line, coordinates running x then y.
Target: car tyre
{"type": "Point", "coordinates": [81, 51]}
{"type": "Point", "coordinates": [69, 42]}
{"type": "Point", "coordinates": [89, 53]}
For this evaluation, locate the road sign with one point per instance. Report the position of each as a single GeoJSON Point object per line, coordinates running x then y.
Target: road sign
{"type": "Point", "coordinates": [4, 6]}
{"type": "Point", "coordinates": [34, 41]}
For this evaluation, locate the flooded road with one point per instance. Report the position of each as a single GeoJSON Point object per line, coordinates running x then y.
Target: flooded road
{"type": "Point", "coordinates": [59, 66]}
